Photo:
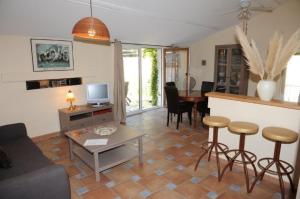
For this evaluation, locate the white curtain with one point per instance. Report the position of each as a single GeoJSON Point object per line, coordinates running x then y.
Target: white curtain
{"type": "Point", "coordinates": [119, 90]}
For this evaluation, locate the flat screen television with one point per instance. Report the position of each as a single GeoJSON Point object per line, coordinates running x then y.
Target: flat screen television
{"type": "Point", "coordinates": [97, 94]}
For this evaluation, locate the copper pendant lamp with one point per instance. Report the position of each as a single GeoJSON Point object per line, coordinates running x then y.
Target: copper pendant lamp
{"type": "Point", "coordinates": [91, 29]}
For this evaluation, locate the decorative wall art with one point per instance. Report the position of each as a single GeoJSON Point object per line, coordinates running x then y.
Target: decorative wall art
{"type": "Point", "coordinates": [51, 55]}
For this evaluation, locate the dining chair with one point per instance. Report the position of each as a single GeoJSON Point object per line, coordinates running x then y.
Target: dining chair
{"type": "Point", "coordinates": [170, 84]}
{"type": "Point", "coordinates": [175, 106]}
{"type": "Point", "coordinates": [202, 106]}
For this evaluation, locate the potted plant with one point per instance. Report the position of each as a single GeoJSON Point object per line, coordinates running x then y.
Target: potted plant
{"type": "Point", "coordinates": [275, 62]}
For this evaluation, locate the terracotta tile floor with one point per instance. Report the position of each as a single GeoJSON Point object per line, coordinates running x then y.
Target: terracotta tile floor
{"type": "Point", "coordinates": [168, 170]}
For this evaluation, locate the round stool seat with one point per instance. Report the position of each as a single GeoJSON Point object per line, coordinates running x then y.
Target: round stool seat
{"type": "Point", "coordinates": [280, 134]}
{"type": "Point", "coordinates": [243, 128]}
{"type": "Point", "coordinates": [216, 121]}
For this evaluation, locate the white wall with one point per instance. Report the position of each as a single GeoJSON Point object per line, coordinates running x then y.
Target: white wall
{"type": "Point", "coordinates": [38, 109]}
{"type": "Point", "coordinates": [285, 19]}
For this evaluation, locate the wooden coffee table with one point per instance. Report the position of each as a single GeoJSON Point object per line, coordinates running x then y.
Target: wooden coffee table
{"type": "Point", "coordinates": [102, 157]}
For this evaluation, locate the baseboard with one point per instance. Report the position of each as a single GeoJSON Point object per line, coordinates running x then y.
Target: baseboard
{"type": "Point", "coordinates": [45, 137]}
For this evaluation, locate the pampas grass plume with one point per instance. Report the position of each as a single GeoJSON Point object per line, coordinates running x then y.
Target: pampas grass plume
{"type": "Point", "coordinates": [277, 55]}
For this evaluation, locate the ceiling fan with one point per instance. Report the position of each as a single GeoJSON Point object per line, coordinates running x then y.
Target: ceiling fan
{"type": "Point", "coordinates": [245, 9]}
{"type": "Point", "coordinates": [246, 4]}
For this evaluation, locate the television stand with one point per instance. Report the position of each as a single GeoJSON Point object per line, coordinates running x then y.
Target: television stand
{"type": "Point", "coordinates": [84, 116]}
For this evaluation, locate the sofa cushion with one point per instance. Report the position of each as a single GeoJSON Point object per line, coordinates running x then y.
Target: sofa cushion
{"type": "Point", "coordinates": [5, 162]}
{"type": "Point", "coordinates": [25, 157]}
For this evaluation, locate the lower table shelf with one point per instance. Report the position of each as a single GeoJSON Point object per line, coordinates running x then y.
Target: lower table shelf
{"type": "Point", "coordinates": [107, 159]}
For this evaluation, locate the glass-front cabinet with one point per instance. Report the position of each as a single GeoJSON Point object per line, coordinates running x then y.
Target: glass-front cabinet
{"type": "Point", "coordinates": [231, 74]}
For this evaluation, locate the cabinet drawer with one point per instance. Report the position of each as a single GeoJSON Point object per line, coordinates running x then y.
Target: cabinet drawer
{"type": "Point", "coordinates": [102, 118]}
{"type": "Point", "coordinates": [77, 124]}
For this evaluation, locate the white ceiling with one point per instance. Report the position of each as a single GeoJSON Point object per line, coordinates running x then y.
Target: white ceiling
{"type": "Point", "coordinates": [162, 22]}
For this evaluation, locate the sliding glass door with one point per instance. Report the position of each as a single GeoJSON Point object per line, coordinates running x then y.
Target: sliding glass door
{"type": "Point", "coordinates": [142, 74]}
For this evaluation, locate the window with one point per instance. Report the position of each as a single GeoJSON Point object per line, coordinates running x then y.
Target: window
{"type": "Point", "coordinates": [292, 80]}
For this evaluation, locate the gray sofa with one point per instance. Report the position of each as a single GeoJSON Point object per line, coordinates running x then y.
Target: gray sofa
{"type": "Point", "coordinates": [32, 176]}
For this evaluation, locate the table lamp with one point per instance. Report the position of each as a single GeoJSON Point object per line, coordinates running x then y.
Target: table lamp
{"type": "Point", "coordinates": [70, 98]}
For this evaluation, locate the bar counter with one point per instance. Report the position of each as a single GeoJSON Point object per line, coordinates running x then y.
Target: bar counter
{"type": "Point", "coordinates": [252, 109]}
{"type": "Point", "coordinates": [254, 100]}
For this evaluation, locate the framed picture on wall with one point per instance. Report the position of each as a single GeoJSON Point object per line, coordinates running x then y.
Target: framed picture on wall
{"type": "Point", "coordinates": [51, 55]}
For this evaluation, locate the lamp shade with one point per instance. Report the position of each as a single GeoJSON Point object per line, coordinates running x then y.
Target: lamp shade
{"type": "Point", "coordinates": [70, 96]}
{"type": "Point", "coordinates": [93, 29]}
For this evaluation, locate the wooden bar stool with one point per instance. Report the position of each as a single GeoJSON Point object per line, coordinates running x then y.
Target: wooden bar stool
{"type": "Point", "coordinates": [242, 129]}
{"type": "Point", "coordinates": [279, 136]}
{"type": "Point", "coordinates": [216, 122]}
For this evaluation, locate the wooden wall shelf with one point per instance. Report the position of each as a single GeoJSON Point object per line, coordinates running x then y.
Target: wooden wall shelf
{"type": "Point", "coordinates": [52, 83]}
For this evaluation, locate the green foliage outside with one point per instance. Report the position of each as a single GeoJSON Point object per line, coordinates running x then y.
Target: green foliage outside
{"type": "Point", "coordinates": [152, 52]}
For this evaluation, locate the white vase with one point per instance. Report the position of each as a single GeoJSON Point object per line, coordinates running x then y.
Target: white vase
{"type": "Point", "coordinates": [266, 89]}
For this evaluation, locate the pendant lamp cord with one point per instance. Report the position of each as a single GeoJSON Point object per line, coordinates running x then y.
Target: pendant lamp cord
{"type": "Point", "coordinates": [92, 23]}
{"type": "Point", "coordinates": [91, 8]}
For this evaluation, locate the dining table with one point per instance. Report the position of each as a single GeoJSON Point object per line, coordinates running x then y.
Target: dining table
{"type": "Point", "coordinates": [194, 96]}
